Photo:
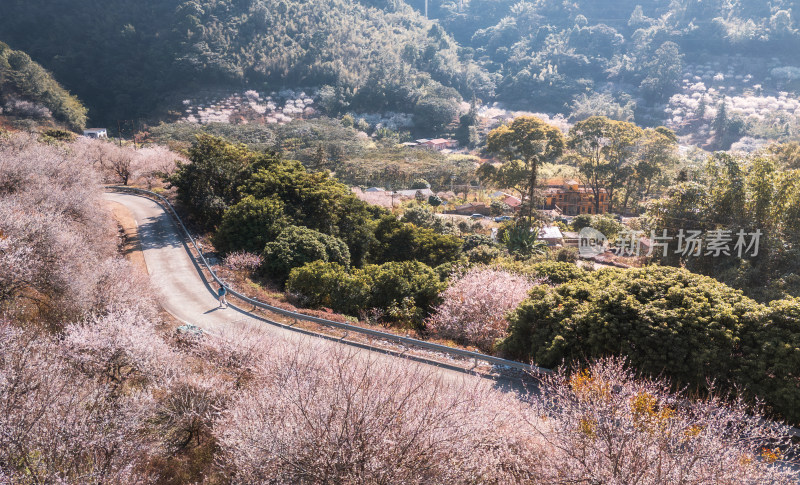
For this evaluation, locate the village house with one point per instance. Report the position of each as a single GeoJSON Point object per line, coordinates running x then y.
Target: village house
{"type": "Point", "coordinates": [469, 209]}
{"type": "Point", "coordinates": [513, 202]}
{"type": "Point", "coordinates": [95, 133]}
{"type": "Point", "coordinates": [437, 144]}
{"type": "Point", "coordinates": [551, 235]}
{"type": "Point", "coordinates": [572, 198]}
{"type": "Point", "coordinates": [571, 239]}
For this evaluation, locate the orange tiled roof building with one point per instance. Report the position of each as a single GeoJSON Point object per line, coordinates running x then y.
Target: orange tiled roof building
{"type": "Point", "coordinates": [572, 198]}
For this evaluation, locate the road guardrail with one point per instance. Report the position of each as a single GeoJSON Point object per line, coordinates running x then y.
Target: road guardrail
{"type": "Point", "coordinates": [407, 341]}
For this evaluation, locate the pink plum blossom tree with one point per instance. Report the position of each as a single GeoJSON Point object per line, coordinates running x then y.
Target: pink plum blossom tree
{"type": "Point", "coordinates": [474, 306]}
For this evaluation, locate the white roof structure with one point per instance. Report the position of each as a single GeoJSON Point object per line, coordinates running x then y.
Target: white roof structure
{"type": "Point", "coordinates": [550, 232]}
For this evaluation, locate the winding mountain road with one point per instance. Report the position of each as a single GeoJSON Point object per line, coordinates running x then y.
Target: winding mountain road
{"type": "Point", "coordinates": [185, 293]}
{"type": "Point", "coordinates": [180, 285]}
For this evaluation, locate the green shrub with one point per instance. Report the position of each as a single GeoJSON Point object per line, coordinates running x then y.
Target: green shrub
{"type": "Point", "coordinates": [472, 241]}
{"type": "Point", "coordinates": [607, 225]}
{"type": "Point", "coordinates": [249, 225]}
{"type": "Point", "coordinates": [581, 221]}
{"type": "Point", "coordinates": [420, 216]}
{"type": "Point", "coordinates": [296, 246]}
{"type": "Point", "coordinates": [53, 135]}
{"type": "Point", "coordinates": [398, 241]}
{"type": "Point", "coordinates": [418, 184]}
{"type": "Point", "coordinates": [771, 357]}
{"type": "Point", "coordinates": [405, 292]}
{"type": "Point", "coordinates": [567, 255]}
{"type": "Point", "coordinates": [666, 321]}
{"type": "Point", "coordinates": [209, 184]}
{"type": "Point", "coordinates": [556, 272]}
{"type": "Point", "coordinates": [320, 284]}
{"type": "Point", "coordinates": [484, 254]}
{"type": "Point", "coordinates": [392, 282]}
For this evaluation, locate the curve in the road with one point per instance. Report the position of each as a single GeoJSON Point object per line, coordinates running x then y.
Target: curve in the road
{"type": "Point", "coordinates": [186, 294]}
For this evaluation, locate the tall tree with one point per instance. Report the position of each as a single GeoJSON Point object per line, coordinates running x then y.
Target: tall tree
{"type": "Point", "coordinates": [603, 150]}
{"type": "Point", "coordinates": [656, 151]}
{"type": "Point", "coordinates": [209, 184]}
{"type": "Point", "coordinates": [524, 144]}
{"type": "Point", "coordinates": [664, 73]}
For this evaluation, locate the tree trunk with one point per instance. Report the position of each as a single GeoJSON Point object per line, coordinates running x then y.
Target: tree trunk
{"type": "Point", "coordinates": [531, 190]}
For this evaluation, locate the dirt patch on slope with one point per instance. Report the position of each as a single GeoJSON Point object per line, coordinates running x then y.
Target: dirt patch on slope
{"type": "Point", "coordinates": [130, 244]}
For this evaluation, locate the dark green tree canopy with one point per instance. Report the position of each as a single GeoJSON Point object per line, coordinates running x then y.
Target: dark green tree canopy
{"type": "Point", "coordinates": [666, 321]}
{"type": "Point", "coordinates": [298, 245]}
{"type": "Point", "coordinates": [524, 144]}
{"type": "Point", "coordinates": [250, 224]}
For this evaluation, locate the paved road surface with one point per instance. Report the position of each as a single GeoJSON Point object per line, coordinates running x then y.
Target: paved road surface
{"type": "Point", "coordinates": [182, 290]}
{"type": "Point", "coordinates": [177, 280]}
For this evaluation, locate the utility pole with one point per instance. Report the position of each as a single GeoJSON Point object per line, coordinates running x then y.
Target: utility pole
{"type": "Point", "coordinates": [426, 9]}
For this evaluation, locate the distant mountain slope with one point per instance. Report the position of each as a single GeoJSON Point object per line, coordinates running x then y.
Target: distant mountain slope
{"type": "Point", "coordinates": [28, 91]}
{"type": "Point", "coordinates": [547, 53]}
{"type": "Point", "coordinates": [125, 58]}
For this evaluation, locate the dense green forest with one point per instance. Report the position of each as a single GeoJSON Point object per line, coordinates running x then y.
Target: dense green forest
{"type": "Point", "coordinates": [28, 91]}
{"type": "Point", "coordinates": [125, 58]}
{"type": "Point", "coordinates": [546, 52]}
{"type": "Point", "coordinates": [131, 59]}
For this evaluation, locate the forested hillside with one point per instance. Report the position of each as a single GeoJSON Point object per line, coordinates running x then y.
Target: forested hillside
{"type": "Point", "coordinates": [131, 59]}
{"type": "Point", "coordinates": [27, 91]}
{"type": "Point", "coordinates": [548, 51]}
{"type": "Point", "coordinates": [124, 58]}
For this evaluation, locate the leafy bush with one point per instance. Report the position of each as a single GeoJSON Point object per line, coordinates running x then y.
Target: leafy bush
{"type": "Point", "coordinates": [250, 224]}
{"type": "Point", "coordinates": [474, 240]}
{"type": "Point", "coordinates": [567, 255]}
{"type": "Point", "coordinates": [665, 320]}
{"type": "Point", "coordinates": [556, 272]}
{"type": "Point", "coordinates": [607, 225]}
{"type": "Point", "coordinates": [392, 282]}
{"type": "Point", "coordinates": [410, 285]}
{"type": "Point", "coordinates": [581, 221]}
{"type": "Point", "coordinates": [420, 184]}
{"type": "Point", "coordinates": [296, 246]}
{"type": "Point", "coordinates": [484, 254]}
{"type": "Point", "coordinates": [420, 216]}
{"type": "Point", "coordinates": [397, 241]}
{"type": "Point", "coordinates": [328, 285]}
{"type": "Point", "coordinates": [57, 135]}
{"type": "Point", "coordinates": [318, 201]}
